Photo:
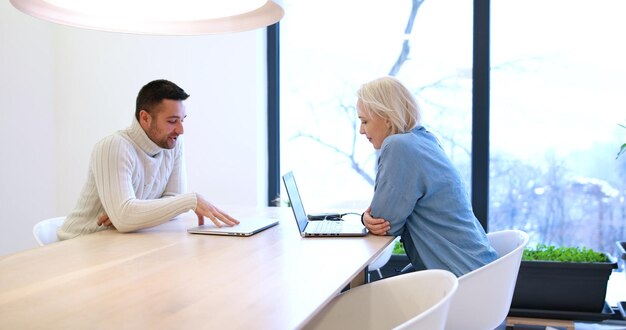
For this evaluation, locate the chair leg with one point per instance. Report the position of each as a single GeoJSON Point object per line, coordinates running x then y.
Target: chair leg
{"type": "Point", "coordinates": [407, 269]}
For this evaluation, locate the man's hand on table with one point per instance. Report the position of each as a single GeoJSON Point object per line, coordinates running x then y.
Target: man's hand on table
{"type": "Point", "coordinates": [206, 209]}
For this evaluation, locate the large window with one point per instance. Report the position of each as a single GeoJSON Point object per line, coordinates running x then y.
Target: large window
{"type": "Point", "coordinates": [558, 73]}
{"type": "Point", "coordinates": [556, 101]}
{"type": "Point", "coordinates": [329, 48]}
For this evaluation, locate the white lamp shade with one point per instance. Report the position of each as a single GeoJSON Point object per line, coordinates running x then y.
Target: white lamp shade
{"type": "Point", "coordinates": [157, 17]}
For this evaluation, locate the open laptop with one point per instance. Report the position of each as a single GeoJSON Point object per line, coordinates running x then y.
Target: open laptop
{"type": "Point", "coordinates": [246, 227]}
{"type": "Point", "coordinates": [317, 228]}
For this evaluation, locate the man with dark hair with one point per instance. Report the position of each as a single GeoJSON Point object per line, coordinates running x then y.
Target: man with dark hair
{"type": "Point", "coordinates": [136, 177]}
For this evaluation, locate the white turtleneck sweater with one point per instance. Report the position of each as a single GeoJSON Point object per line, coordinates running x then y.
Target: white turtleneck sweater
{"type": "Point", "coordinates": [137, 183]}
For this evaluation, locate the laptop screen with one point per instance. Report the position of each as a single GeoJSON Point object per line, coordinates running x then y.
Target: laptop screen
{"type": "Point", "coordinates": [296, 202]}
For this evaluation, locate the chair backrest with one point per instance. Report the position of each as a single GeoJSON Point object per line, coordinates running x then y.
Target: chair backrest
{"type": "Point", "coordinates": [383, 258]}
{"type": "Point", "coordinates": [484, 295]}
{"type": "Point", "coordinates": [440, 294]}
{"type": "Point", "coordinates": [418, 300]}
{"type": "Point", "coordinates": [45, 231]}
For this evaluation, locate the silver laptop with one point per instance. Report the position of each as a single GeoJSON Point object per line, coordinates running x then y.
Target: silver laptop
{"type": "Point", "coordinates": [319, 227]}
{"type": "Point", "coordinates": [246, 227]}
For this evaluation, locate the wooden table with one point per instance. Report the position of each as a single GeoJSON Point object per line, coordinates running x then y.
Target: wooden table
{"type": "Point", "coordinates": [165, 278]}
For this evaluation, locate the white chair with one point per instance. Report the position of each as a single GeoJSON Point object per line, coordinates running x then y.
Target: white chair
{"type": "Point", "coordinates": [45, 231]}
{"type": "Point", "coordinates": [484, 296]}
{"type": "Point", "coordinates": [382, 260]}
{"type": "Point", "coordinates": [418, 300]}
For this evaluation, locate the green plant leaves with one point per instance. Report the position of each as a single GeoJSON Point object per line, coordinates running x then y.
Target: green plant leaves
{"type": "Point", "coordinates": [563, 254]}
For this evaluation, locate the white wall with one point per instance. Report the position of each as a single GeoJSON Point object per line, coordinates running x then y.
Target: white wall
{"type": "Point", "coordinates": [62, 89]}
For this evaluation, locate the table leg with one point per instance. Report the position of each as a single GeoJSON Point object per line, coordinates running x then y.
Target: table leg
{"type": "Point", "coordinates": [359, 279]}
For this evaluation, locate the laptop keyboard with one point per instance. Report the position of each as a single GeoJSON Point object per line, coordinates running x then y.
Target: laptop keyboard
{"type": "Point", "coordinates": [322, 227]}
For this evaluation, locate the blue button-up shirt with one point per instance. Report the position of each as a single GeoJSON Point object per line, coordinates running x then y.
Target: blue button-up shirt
{"type": "Point", "coordinates": [421, 194]}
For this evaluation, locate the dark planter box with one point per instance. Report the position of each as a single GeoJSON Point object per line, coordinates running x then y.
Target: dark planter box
{"type": "Point", "coordinates": [562, 286]}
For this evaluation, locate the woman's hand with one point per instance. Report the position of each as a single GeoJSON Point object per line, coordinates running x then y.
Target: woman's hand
{"type": "Point", "coordinates": [376, 226]}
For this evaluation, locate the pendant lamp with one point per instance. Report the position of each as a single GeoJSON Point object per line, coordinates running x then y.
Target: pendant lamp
{"type": "Point", "coordinates": [157, 17]}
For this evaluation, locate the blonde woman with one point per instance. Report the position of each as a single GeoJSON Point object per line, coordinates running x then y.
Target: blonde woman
{"type": "Point", "coordinates": [418, 193]}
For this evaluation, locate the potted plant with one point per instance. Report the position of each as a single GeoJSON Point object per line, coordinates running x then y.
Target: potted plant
{"type": "Point", "coordinates": [566, 279]}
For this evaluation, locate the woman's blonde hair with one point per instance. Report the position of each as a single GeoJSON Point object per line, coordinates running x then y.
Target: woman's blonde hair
{"type": "Point", "coordinates": [387, 98]}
